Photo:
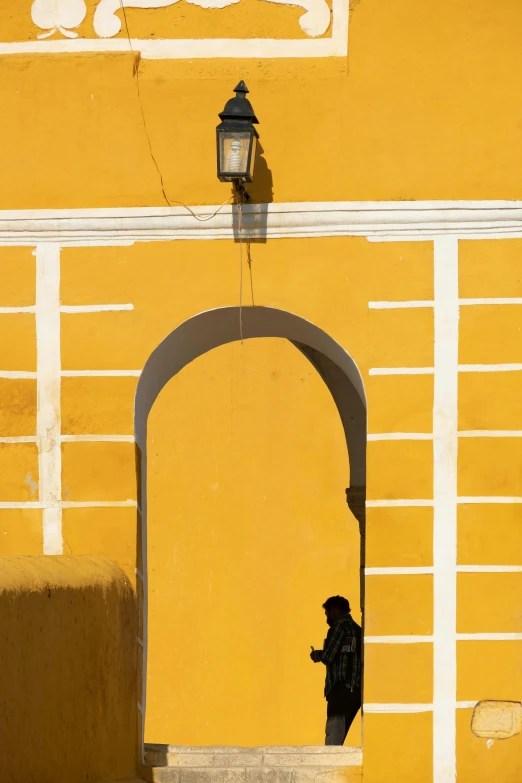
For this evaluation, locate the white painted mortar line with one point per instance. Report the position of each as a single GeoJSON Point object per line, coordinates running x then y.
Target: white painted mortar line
{"type": "Point", "coordinates": [404, 708]}
{"type": "Point", "coordinates": [401, 371]}
{"type": "Point", "coordinates": [97, 438]}
{"type": "Point", "coordinates": [13, 310]}
{"type": "Point", "coordinates": [489, 637]}
{"type": "Point", "coordinates": [489, 569]}
{"type": "Point", "coordinates": [100, 373]}
{"type": "Point", "coordinates": [398, 639]}
{"type": "Point", "coordinates": [397, 708]}
{"type": "Point", "coordinates": [461, 637]}
{"type": "Point", "coordinates": [100, 308]}
{"type": "Point", "coordinates": [99, 503]}
{"type": "Point", "coordinates": [19, 439]}
{"type": "Point", "coordinates": [464, 569]}
{"type": "Point", "coordinates": [398, 503]}
{"type": "Point", "coordinates": [488, 499]}
{"type": "Point", "coordinates": [490, 434]}
{"type": "Point", "coordinates": [380, 436]}
{"type": "Point", "coordinates": [50, 505]}
{"type": "Point", "coordinates": [422, 303]}
{"type": "Point", "coordinates": [498, 300]}
{"type": "Point", "coordinates": [48, 393]}
{"type": "Point", "coordinates": [445, 444]}
{"type": "Point", "coordinates": [478, 368]}
{"type": "Point", "coordinates": [490, 367]}
{"type": "Point", "coordinates": [463, 500]}
{"type": "Point", "coordinates": [405, 305]}
{"type": "Point", "coordinates": [398, 570]}
{"type": "Point", "coordinates": [16, 375]}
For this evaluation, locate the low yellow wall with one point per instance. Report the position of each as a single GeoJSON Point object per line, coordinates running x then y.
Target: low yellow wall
{"type": "Point", "coordinates": [67, 657]}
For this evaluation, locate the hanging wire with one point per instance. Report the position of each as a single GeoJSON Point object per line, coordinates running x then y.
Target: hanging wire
{"type": "Point", "coordinates": [239, 202]}
{"type": "Point", "coordinates": [136, 73]}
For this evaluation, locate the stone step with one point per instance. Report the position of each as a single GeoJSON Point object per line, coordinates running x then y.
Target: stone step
{"type": "Point", "coordinates": [274, 764]}
{"type": "Point", "coordinates": [257, 775]}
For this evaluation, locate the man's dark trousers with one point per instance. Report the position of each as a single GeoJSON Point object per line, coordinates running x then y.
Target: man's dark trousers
{"type": "Point", "coordinates": [342, 707]}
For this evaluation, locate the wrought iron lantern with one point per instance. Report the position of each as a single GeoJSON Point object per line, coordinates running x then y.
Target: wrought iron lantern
{"type": "Point", "coordinates": [236, 139]}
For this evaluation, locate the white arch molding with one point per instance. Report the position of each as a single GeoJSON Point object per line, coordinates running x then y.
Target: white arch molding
{"type": "Point", "coordinates": [213, 328]}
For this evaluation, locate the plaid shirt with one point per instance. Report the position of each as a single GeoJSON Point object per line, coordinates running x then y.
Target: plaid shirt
{"type": "Point", "coordinates": [341, 654]}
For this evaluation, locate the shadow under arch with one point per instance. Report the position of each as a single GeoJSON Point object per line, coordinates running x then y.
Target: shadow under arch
{"type": "Point", "coordinates": [211, 329]}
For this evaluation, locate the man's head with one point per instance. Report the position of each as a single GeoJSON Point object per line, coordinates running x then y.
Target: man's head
{"type": "Point", "coordinates": [335, 607]}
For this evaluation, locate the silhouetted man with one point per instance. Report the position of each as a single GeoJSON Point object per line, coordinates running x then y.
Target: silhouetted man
{"type": "Point", "coordinates": [341, 655]}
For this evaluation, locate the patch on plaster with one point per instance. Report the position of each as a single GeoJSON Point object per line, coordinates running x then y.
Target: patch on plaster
{"type": "Point", "coordinates": [497, 719]}
{"type": "Point", "coordinates": [33, 485]}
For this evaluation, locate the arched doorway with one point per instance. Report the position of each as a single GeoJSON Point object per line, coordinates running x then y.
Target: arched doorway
{"type": "Point", "coordinates": [215, 328]}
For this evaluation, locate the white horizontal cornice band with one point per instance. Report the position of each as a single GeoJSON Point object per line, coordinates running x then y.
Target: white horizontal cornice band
{"type": "Point", "coordinates": [378, 220]}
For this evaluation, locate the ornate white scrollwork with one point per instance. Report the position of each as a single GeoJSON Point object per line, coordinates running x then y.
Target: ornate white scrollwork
{"type": "Point", "coordinates": [315, 21]}
{"type": "Point", "coordinates": [62, 15]}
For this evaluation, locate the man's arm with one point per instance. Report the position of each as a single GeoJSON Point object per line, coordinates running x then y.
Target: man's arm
{"type": "Point", "coordinates": [332, 646]}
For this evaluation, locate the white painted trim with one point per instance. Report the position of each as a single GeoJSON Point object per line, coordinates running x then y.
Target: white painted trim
{"type": "Point", "coordinates": [386, 220]}
{"type": "Point", "coordinates": [406, 305]}
{"type": "Point", "coordinates": [24, 504]}
{"type": "Point", "coordinates": [426, 303]}
{"type": "Point", "coordinates": [19, 439]}
{"type": "Point", "coordinates": [15, 375]}
{"type": "Point", "coordinates": [402, 708]}
{"type": "Point", "coordinates": [397, 503]}
{"type": "Point", "coordinates": [490, 367]}
{"type": "Point", "coordinates": [100, 308]}
{"type": "Point", "coordinates": [48, 392]}
{"type": "Point", "coordinates": [461, 637]}
{"type": "Point", "coordinates": [496, 300]}
{"type": "Point", "coordinates": [397, 570]}
{"type": "Point", "coordinates": [489, 637]}
{"type": "Point", "coordinates": [489, 569]}
{"type": "Point", "coordinates": [398, 639]}
{"type": "Point", "coordinates": [487, 500]}
{"type": "Point", "coordinates": [397, 708]}
{"type": "Point", "coordinates": [100, 373]}
{"type": "Point", "coordinates": [183, 49]}
{"type": "Point", "coordinates": [401, 371]}
{"type": "Point", "coordinates": [405, 502]}
{"type": "Point", "coordinates": [380, 436]}
{"type": "Point", "coordinates": [445, 442]}
{"type": "Point", "coordinates": [97, 439]}
{"type": "Point", "coordinates": [98, 503]}
{"type": "Point", "coordinates": [42, 504]}
{"type": "Point", "coordinates": [12, 310]}
{"type": "Point", "coordinates": [490, 434]}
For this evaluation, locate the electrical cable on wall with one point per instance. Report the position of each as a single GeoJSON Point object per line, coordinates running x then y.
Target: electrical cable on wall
{"type": "Point", "coordinates": [135, 70]}
{"type": "Point", "coordinates": [238, 195]}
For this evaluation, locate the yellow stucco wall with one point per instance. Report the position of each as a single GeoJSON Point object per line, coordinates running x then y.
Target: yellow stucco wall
{"type": "Point", "coordinates": [249, 534]}
{"type": "Point", "coordinates": [68, 662]}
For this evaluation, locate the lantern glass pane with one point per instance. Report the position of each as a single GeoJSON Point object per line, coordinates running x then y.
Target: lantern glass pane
{"type": "Point", "coordinates": [234, 148]}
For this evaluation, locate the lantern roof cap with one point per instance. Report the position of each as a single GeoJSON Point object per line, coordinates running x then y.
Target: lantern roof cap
{"type": "Point", "coordinates": [239, 108]}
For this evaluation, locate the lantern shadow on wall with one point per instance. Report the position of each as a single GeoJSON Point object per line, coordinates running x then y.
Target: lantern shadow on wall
{"type": "Point", "coordinates": [240, 161]}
